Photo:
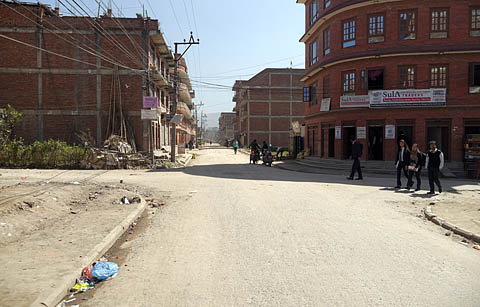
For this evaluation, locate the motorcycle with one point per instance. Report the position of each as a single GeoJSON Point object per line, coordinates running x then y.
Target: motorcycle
{"type": "Point", "coordinates": [254, 156]}
{"type": "Point", "coordinates": [267, 157]}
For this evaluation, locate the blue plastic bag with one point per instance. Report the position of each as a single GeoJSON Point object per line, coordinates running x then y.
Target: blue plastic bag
{"type": "Point", "coordinates": [104, 270]}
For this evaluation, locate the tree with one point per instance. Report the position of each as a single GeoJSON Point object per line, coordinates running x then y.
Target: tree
{"type": "Point", "coordinates": [9, 117]}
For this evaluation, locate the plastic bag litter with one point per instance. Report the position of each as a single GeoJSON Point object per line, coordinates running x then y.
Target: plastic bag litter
{"type": "Point", "coordinates": [104, 270]}
{"type": "Point", "coordinates": [87, 271]}
{"type": "Point", "coordinates": [81, 286]}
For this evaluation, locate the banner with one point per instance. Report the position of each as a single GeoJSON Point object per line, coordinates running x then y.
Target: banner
{"type": "Point", "coordinates": [325, 106]}
{"type": "Point", "coordinates": [407, 98]}
{"type": "Point", "coordinates": [362, 101]}
{"type": "Point", "coordinates": [149, 102]}
{"type": "Point", "coordinates": [361, 133]}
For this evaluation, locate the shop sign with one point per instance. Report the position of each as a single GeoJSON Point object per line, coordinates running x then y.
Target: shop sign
{"type": "Point", "coordinates": [325, 106]}
{"type": "Point", "coordinates": [362, 101]}
{"type": "Point", "coordinates": [149, 114]}
{"type": "Point", "coordinates": [338, 132]}
{"type": "Point", "coordinates": [390, 132]}
{"type": "Point", "coordinates": [149, 102]}
{"type": "Point", "coordinates": [407, 98]}
{"type": "Point", "coordinates": [361, 133]}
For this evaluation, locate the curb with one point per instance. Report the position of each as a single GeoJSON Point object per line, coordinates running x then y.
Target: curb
{"type": "Point", "coordinates": [57, 294]}
{"type": "Point", "coordinates": [449, 226]}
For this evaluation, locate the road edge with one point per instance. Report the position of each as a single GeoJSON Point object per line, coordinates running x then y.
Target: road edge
{"type": "Point", "coordinates": [449, 226]}
{"type": "Point", "coordinates": [57, 294]}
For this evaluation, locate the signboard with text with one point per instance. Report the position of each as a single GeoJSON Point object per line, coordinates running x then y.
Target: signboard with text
{"type": "Point", "coordinates": [149, 114]}
{"type": "Point", "coordinates": [361, 133]}
{"type": "Point", "coordinates": [407, 98]}
{"type": "Point", "coordinates": [390, 132]}
{"type": "Point", "coordinates": [325, 106]}
{"type": "Point", "coordinates": [149, 102]}
{"type": "Point", "coordinates": [362, 101]}
{"type": "Point", "coordinates": [338, 132]}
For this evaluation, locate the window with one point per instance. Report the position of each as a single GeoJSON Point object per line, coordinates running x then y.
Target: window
{"type": "Point", "coordinates": [313, 11]}
{"type": "Point", "coordinates": [475, 22]}
{"type": "Point", "coordinates": [326, 87]}
{"type": "Point", "coordinates": [326, 3]}
{"type": "Point", "coordinates": [313, 53]}
{"type": "Point", "coordinates": [326, 41]}
{"type": "Point", "coordinates": [438, 75]}
{"type": "Point", "coordinates": [313, 95]}
{"type": "Point", "coordinates": [375, 79]}
{"type": "Point", "coordinates": [348, 81]}
{"type": "Point", "coordinates": [349, 33]}
{"type": "Point", "coordinates": [376, 28]}
{"type": "Point", "coordinates": [306, 94]}
{"type": "Point", "coordinates": [474, 76]}
{"type": "Point", "coordinates": [439, 23]}
{"type": "Point", "coordinates": [407, 76]}
{"type": "Point", "coordinates": [407, 26]}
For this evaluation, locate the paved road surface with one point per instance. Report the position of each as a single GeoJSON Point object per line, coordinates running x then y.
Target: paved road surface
{"type": "Point", "coordinates": [235, 234]}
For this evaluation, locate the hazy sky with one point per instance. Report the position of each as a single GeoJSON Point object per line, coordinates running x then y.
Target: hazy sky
{"type": "Point", "coordinates": [238, 38]}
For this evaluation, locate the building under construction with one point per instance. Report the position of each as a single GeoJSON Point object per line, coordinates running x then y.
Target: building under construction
{"type": "Point", "coordinates": [90, 75]}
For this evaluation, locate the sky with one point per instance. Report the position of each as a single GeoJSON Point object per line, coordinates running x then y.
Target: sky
{"type": "Point", "coordinates": [238, 38]}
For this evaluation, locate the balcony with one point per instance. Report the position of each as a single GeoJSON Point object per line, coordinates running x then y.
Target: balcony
{"type": "Point", "coordinates": [183, 77]}
{"type": "Point", "coordinates": [182, 108]}
{"type": "Point", "coordinates": [157, 77]}
{"type": "Point", "coordinates": [184, 94]}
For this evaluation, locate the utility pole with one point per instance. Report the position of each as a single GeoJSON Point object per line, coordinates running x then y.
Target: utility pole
{"type": "Point", "coordinates": [196, 121]}
{"type": "Point", "coordinates": [177, 58]}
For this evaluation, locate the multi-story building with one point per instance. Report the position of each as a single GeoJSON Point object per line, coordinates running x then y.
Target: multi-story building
{"type": "Point", "coordinates": [226, 128]}
{"type": "Point", "coordinates": [78, 74]}
{"type": "Point", "coordinates": [267, 104]}
{"type": "Point", "coordinates": [186, 130]}
{"type": "Point", "coordinates": [388, 69]}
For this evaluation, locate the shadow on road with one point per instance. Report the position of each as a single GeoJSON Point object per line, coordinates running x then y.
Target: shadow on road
{"type": "Point", "coordinates": [260, 172]}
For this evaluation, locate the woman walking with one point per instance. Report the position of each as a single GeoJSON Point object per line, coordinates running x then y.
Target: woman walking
{"type": "Point", "coordinates": [415, 167]}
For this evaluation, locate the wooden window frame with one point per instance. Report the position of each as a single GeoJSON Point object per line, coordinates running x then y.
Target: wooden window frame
{"type": "Point", "coordinates": [438, 79]}
{"type": "Point", "coordinates": [344, 79]}
{"type": "Point", "coordinates": [471, 18]}
{"type": "Point", "coordinates": [400, 75]}
{"type": "Point", "coordinates": [326, 81]}
{"type": "Point", "coordinates": [327, 4]}
{"type": "Point", "coordinates": [313, 16]}
{"type": "Point", "coordinates": [313, 95]}
{"type": "Point", "coordinates": [311, 59]}
{"type": "Point", "coordinates": [471, 75]}
{"type": "Point", "coordinates": [438, 33]}
{"type": "Point", "coordinates": [329, 41]}
{"type": "Point", "coordinates": [354, 39]}
{"type": "Point", "coordinates": [383, 68]}
{"type": "Point", "coordinates": [414, 11]}
{"type": "Point", "coordinates": [306, 94]}
{"type": "Point", "coordinates": [376, 15]}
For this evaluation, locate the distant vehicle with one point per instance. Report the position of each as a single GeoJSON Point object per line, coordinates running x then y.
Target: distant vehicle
{"type": "Point", "coordinates": [267, 157]}
{"type": "Point", "coordinates": [254, 156]}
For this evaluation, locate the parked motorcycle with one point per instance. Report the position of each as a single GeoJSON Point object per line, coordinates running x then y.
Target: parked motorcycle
{"type": "Point", "coordinates": [267, 157]}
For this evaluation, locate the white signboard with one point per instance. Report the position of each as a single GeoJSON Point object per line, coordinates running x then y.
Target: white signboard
{"type": "Point", "coordinates": [325, 106]}
{"type": "Point", "coordinates": [361, 133]}
{"type": "Point", "coordinates": [390, 132]}
{"type": "Point", "coordinates": [411, 97]}
{"type": "Point", "coordinates": [338, 132]}
{"type": "Point", "coordinates": [362, 101]}
{"type": "Point", "coordinates": [149, 114]}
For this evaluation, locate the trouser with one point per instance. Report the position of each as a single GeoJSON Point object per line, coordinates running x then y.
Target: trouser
{"type": "Point", "coordinates": [399, 174]}
{"type": "Point", "coordinates": [356, 167]}
{"type": "Point", "coordinates": [417, 176]}
{"type": "Point", "coordinates": [433, 177]}
{"type": "Point", "coordinates": [235, 149]}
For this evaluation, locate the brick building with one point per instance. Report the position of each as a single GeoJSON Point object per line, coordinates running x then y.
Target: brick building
{"type": "Point", "coordinates": [226, 128]}
{"type": "Point", "coordinates": [380, 69]}
{"type": "Point", "coordinates": [72, 75]}
{"type": "Point", "coordinates": [267, 104]}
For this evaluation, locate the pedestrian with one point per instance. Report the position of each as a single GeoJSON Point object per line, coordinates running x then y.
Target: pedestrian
{"type": "Point", "coordinates": [235, 146]}
{"type": "Point", "coordinates": [403, 160]}
{"type": "Point", "coordinates": [417, 161]}
{"type": "Point", "coordinates": [357, 151]}
{"type": "Point", "coordinates": [434, 164]}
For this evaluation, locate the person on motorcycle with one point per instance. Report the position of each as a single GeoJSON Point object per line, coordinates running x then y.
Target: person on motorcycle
{"type": "Point", "coordinates": [254, 145]}
{"type": "Point", "coordinates": [264, 146]}
{"type": "Point", "coordinates": [255, 148]}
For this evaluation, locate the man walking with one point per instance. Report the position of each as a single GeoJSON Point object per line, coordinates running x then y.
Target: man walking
{"type": "Point", "coordinates": [235, 146]}
{"type": "Point", "coordinates": [357, 151]}
{"type": "Point", "coordinates": [434, 165]}
{"type": "Point", "coordinates": [403, 159]}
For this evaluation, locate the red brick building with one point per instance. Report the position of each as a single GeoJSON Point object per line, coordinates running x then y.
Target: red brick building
{"type": "Point", "coordinates": [267, 104]}
{"type": "Point", "coordinates": [67, 74]}
{"type": "Point", "coordinates": [226, 128]}
{"type": "Point", "coordinates": [378, 69]}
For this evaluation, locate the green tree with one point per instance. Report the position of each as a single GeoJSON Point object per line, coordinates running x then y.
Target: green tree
{"type": "Point", "coordinates": [9, 117]}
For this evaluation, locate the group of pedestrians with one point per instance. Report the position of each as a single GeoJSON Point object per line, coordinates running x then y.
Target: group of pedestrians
{"type": "Point", "coordinates": [410, 162]}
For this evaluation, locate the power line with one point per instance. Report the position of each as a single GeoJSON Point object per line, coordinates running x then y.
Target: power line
{"type": "Point", "coordinates": [176, 18]}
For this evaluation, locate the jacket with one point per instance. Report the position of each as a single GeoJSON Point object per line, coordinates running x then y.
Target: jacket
{"type": "Point", "coordinates": [357, 150]}
{"type": "Point", "coordinates": [418, 162]}
{"type": "Point", "coordinates": [435, 159]}
{"type": "Point", "coordinates": [406, 158]}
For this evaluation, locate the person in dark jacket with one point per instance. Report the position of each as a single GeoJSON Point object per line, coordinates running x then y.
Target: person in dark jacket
{"type": "Point", "coordinates": [434, 164]}
{"type": "Point", "coordinates": [357, 151]}
{"type": "Point", "coordinates": [403, 159]}
{"type": "Point", "coordinates": [415, 167]}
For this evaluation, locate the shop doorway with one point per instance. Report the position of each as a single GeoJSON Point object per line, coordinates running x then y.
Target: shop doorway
{"type": "Point", "coordinates": [348, 134]}
{"type": "Point", "coordinates": [442, 136]}
{"type": "Point", "coordinates": [322, 142]}
{"type": "Point", "coordinates": [375, 143]}
{"type": "Point", "coordinates": [331, 142]}
{"type": "Point", "coordinates": [405, 133]}
{"type": "Point", "coordinates": [312, 135]}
